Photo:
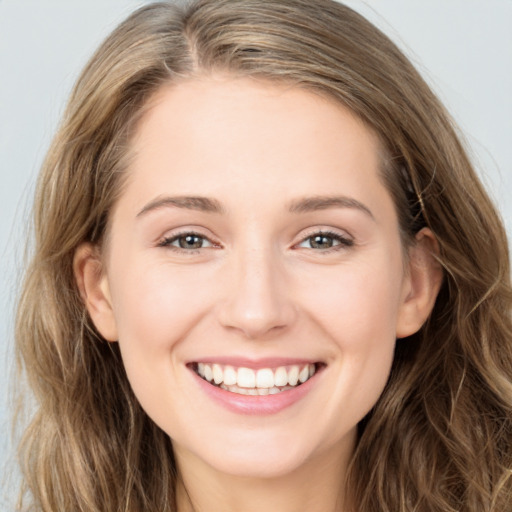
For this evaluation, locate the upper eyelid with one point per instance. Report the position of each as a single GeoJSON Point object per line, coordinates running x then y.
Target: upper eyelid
{"type": "Point", "coordinates": [173, 238]}
{"type": "Point", "coordinates": [345, 239]}
{"type": "Point", "coordinates": [167, 243]}
{"type": "Point", "coordinates": [330, 231]}
{"type": "Point", "coordinates": [304, 235]}
{"type": "Point", "coordinates": [177, 232]}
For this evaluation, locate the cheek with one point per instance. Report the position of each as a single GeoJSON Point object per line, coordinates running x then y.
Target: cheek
{"type": "Point", "coordinates": [357, 311]}
{"type": "Point", "coordinates": [155, 305]}
{"type": "Point", "coordinates": [155, 308]}
{"type": "Point", "coordinates": [358, 305]}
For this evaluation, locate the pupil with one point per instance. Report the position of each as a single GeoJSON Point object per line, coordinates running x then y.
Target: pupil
{"type": "Point", "coordinates": [191, 242]}
{"type": "Point", "coordinates": [321, 242]}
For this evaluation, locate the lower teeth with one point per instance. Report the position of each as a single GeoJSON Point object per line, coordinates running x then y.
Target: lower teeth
{"type": "Point", "coordinates": [255, 391]}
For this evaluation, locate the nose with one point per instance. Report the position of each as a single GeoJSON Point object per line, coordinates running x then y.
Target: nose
{"type": "Point", "coordinates": [257, 302]}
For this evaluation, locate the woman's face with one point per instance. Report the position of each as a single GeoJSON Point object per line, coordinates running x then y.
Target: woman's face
{"type": "Point", "coordinates": [254, 244]}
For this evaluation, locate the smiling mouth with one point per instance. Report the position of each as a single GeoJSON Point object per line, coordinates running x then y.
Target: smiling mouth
{"type": "Point", "coordinates": [264, 381]}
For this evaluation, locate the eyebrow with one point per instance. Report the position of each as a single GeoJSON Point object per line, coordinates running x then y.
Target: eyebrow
{"type": "Point", "coordinates": [312, 204]}
{"type": "Point", "coordinates": [209, 205]}
{"type": "Point", "coordinates": [203, 204]}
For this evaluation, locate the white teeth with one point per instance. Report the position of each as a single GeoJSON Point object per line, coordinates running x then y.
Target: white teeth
{"type": "Point", "coordinates": [208, 373]}
{"type": "Point", "coordinates": [293, 376]}
{"type": "Point", "coordinates": [229, 376]}
{"type": "Point", "coordinates": [254, 391]}
{"type": "Point", "coordinates": [218, 374]}
{"type": "Point", "coordinates": [281, 377]}
{"type": "Point", "coordinates": [304, 374]}
{"type": "Point", "coordinates": [246, 378]}
{"type": "Point", "coordinates": [265, 381]}
{"type": "Point", "coordinates": [265, 378]}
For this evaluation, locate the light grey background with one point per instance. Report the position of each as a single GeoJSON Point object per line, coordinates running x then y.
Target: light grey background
{"type": "Point", "coordinates": [462, 47]}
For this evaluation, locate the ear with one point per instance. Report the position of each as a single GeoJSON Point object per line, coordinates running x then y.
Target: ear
{"type": "Point", "coordinates": [94, 289]}
{"type": "Point", "coordinates": [421, 284]}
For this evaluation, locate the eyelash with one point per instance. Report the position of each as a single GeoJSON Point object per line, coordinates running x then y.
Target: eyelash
{"type": "Point", "coordinates": [343, 242]}
{"type": "Point", "coordinates": [168, 241]}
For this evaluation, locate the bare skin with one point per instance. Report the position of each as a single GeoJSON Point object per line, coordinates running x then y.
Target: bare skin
{"type": "Point", "coordinates": [255, 226]}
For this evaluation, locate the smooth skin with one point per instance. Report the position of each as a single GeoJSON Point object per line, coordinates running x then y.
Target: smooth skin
{"type": "Point", "coordinates": [255, 224]}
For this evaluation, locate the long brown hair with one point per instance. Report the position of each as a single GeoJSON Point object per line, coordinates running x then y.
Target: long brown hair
{"type": "Point", "coordinates": [440, 436]}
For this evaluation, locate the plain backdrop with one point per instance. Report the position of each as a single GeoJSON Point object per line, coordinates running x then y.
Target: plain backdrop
{"type": "Point", "coordinates": [462, 47]}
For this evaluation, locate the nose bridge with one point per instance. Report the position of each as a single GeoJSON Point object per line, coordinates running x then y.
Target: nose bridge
{"type": "Point", "coordinates": [258, 300]}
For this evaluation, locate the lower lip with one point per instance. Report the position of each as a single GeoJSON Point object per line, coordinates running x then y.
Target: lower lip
{"type": "Point", "coordinates": [255, 405]}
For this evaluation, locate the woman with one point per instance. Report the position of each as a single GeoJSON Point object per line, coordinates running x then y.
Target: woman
{"type": "Point", "coordinates": [250, 198]}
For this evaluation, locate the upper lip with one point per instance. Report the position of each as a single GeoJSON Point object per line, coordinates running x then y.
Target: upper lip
{"type": "Point", "coordinates": [255, 364]}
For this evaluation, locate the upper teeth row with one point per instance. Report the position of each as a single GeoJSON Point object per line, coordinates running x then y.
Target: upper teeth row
{"type": "Point", "coordinates": [262, 378]}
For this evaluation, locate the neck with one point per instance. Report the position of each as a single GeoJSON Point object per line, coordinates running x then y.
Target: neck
{"type": "Point", "coordinates": [317, 486]}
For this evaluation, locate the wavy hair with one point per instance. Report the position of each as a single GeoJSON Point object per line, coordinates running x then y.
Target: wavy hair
{"type": "Point", "coordinates": [440, 437]}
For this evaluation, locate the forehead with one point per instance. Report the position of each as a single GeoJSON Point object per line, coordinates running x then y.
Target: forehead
{"type": "Point", "coordinates": [212, 128]}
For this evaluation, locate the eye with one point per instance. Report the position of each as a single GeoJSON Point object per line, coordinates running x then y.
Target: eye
{"type": "Point", "coordinates": [186, 241]}
{"type": "Point", "coordinates": [325, 241]}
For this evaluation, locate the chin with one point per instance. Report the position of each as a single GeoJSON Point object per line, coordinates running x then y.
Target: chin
{"type": "Point", "coordinates": [254, 455]}
{"type": "Point", "coordinates": [258, 467]}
